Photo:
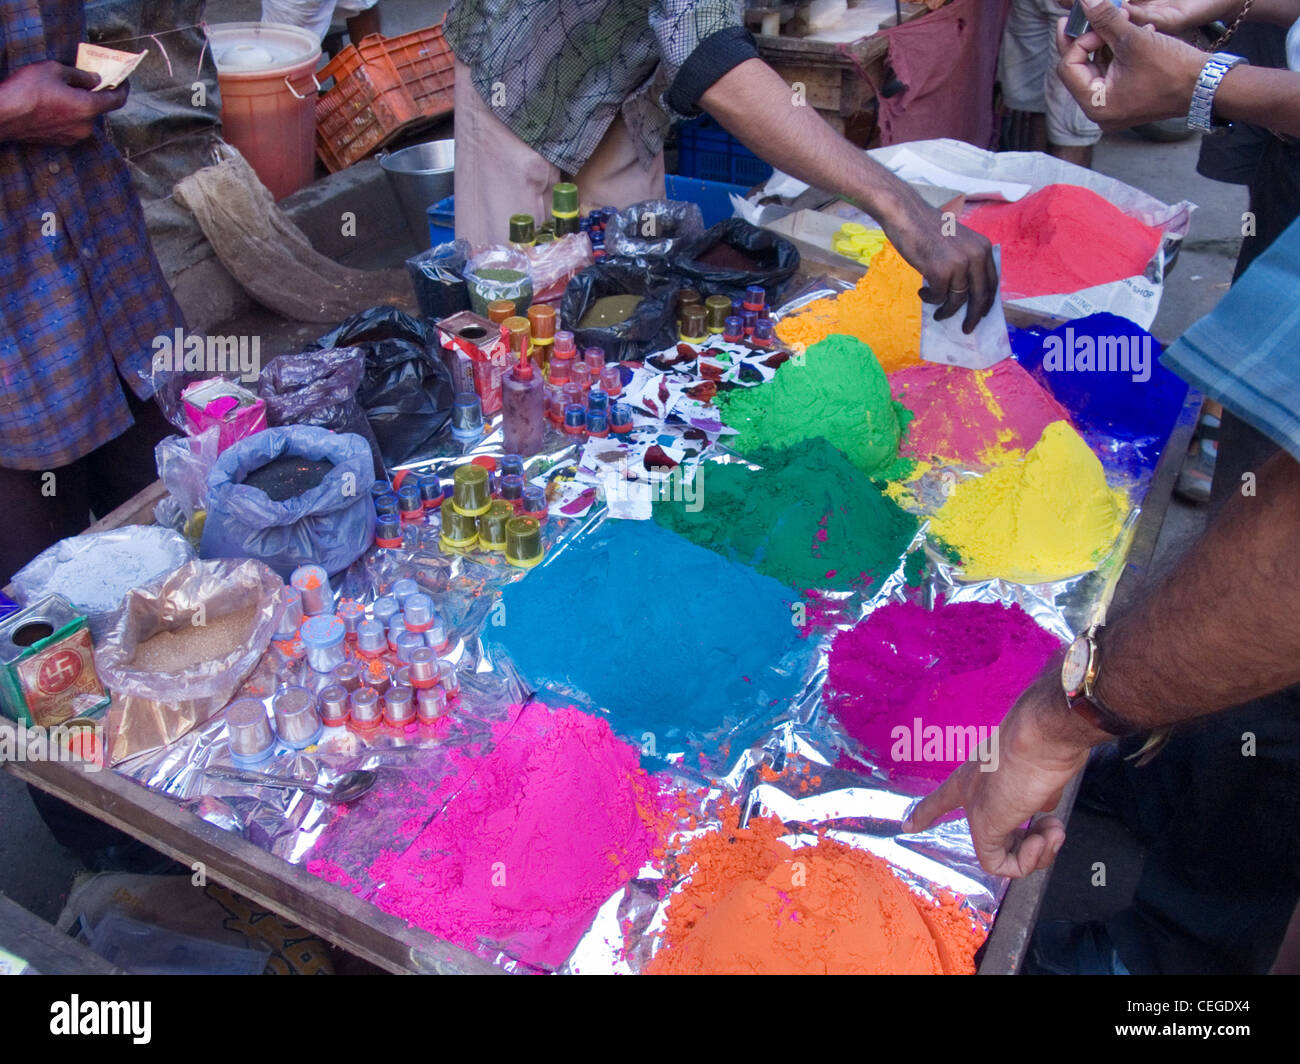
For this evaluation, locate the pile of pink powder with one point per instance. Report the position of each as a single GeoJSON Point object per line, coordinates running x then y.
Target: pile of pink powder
{"type": "Point", "coordinates": [905, 676]}
{"type": "Point", "coordinates": [535, 835]}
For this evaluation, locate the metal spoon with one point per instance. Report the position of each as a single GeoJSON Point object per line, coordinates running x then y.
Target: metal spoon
{"type": "Point", "coordinates": [347, 788]}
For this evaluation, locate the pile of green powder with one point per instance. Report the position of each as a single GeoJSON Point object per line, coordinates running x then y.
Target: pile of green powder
{"type": "Point", "coordinates": [837, 392]}
{"type": "Point", "coordinates": [808, 518]}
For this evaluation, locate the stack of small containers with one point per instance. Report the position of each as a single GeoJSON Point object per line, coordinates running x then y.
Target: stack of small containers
{"type": "Point", "coordinates": [501, 514]}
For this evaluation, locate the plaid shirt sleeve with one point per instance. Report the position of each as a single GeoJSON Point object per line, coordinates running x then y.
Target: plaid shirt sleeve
{"type": "Point", "coordinates": [82, 293]}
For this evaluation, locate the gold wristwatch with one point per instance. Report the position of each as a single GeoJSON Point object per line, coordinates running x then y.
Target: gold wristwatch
{"type": "Point", "coordinates": [1079, 672]}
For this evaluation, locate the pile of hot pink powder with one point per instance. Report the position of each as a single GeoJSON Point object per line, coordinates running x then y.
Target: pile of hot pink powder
{"type": "Point", "coordinates": [535, 836]}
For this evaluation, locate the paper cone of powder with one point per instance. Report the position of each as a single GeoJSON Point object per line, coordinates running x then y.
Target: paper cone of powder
{"type": "Point", "coordinates": [112, 66]}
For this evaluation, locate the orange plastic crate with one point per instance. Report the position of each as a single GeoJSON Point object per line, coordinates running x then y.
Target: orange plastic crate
{"type": "Point", "coordinates": [382, 87]}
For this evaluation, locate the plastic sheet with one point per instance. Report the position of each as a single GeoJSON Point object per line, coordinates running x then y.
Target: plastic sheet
{"type": "Point", "coordinates": [330, 525]}
{"type": "Point", "coordinates": [775, 260]}
{"type": "Point", "coordinates": [95, 571]}
{"type": "Point", "coordinates": [154, 708]}
{"type": "Point", "coordinates": [651, 325]}
{"type": "Point", "coordinates": [319, 388]}
{"type": "Point", "coordinates": [438, 278]}
{"type": "Point", "coordinates": [653, 229]}
{"type": "Point", "coordinates": [407, 390]}
{"type": "Point", "coordinates": [184, 464]}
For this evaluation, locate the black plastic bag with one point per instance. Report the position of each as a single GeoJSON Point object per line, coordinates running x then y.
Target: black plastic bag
{"type": "Point", "coordinates": [406, 392]}
{"type": "Point", "coordinates": [438, 277]}
{"type": "Point", "coordinates": [651, 326]}
{"type": "Point", "coordinates": [775, 261]}
{"type": "Point", "coordinates": [319, 388]}
{"type": "Point", "coordinates": [653, 229]}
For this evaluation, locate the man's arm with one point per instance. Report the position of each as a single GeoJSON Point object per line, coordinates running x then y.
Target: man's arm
{"type": "Point", "coordinates": [1151, 76]}
{"type": "Point", "coordinates": [753, 102]}
{"type": "Point", "coordinates": [1216, 632]}
{"type": "Point", "coordinates": [49, 103]}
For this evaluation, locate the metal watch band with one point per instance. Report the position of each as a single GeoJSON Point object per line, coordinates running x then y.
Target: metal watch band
{"type": "Point", "coordinates": [1200, 116]}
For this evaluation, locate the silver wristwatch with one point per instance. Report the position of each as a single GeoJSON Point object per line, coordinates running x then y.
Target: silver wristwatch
{"type": "Point", "coordinates": [1201, 115]}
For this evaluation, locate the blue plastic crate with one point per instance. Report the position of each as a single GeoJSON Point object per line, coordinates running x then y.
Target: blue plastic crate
{"type": "Point", "coordinates": [710, 196]}
{"type": "Point", "coordinates": [442, 221]}
{"type": "Point", "coordinates": [707, 151]}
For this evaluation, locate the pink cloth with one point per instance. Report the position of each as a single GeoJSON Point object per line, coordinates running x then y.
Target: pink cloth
{"type": "Point", "coordinates": [948, 60]}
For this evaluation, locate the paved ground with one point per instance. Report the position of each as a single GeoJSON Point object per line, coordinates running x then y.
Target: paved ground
{"type": "Point", "coordinates": [37, 873]}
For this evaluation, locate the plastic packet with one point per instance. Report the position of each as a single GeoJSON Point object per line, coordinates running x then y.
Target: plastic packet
{"type": "Point", "coordinates": [774, 260]}
{"type": "Point", "coordinates": [329, 525]}
{"type": "Point", "coordinates": [155, 706]}
{"type": "Point", "coordinates": [653, 229]}
{"type": "Point", "coordinates": [438, 277]}
{"type": "Point", "coordinates": [554, 262]}
{"type": "Point", "coordinates": [499, 272]}
{"type": "Point", "coordinates": [650, 326]}
{"type": "Point", "coordinates": [95, 571]}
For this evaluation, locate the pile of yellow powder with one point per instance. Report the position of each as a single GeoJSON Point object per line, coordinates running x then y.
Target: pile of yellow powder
{"type": "Point", "coordinates": [1043, 518]}
{"type": "Point", "coordinates": [883, 311]}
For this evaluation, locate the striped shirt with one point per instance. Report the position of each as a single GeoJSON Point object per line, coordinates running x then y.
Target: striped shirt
{"type": "Point", "coordinates": [558, 72]}
{"type": "Point", "coordinates": [81, 294]}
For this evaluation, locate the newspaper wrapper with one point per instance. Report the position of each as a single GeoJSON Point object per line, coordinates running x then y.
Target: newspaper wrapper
{"type": "Point", "coordinates": [112, 66]}
{"type": "Point", "coordinates": [941, 170]}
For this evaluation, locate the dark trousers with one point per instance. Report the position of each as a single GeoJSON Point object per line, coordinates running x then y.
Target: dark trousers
{"type": "Point", "coordinates": [1222, 872]}
{"type": "Point", "coordinates": [96, 484]}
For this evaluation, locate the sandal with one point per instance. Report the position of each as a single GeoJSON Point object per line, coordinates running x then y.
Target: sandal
{"type": "Point", "coordinates": [1197, 474]}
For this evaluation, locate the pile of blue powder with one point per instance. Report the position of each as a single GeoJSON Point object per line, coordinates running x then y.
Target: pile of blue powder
{"type": "Point", "coordinates": [668, 638]}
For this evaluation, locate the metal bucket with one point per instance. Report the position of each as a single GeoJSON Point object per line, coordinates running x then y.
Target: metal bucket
{"type": "Point", "coordinates": [421, 175]}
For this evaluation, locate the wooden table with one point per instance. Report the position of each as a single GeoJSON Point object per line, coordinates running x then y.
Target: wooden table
{"type": "Point", "coordinates": [363, 930]}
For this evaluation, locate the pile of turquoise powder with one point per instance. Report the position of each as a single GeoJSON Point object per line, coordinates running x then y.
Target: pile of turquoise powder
{"type": "Point", "coordinates": [673, 641]}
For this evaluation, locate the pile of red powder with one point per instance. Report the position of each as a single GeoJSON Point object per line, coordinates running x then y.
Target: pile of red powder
{"type": "Point", "coordinates": [915, 686]}
{"type": "Point", "coordinates": [1063, 238]}
{"type": "Point", "coordinates": [535, 836]}
{"type": "Point", "coordinates": [972, 417]}
{"type": "Point", "coordinates": [752, 905]}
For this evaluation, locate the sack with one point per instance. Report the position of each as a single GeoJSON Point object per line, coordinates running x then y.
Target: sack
{"type": "Point", "coordinates": [775, 260]}
{"type": "Point", "coordinates": [650, 328]}
{"type": "Point", "coordinates": [330, 525]}
{"type": "Point", "coordinates": [406, 391]}
{"type": "Point", "coordinates": [153, 707]}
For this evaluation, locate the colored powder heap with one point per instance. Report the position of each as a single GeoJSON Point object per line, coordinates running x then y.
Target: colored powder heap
{"type": "Point", "coordinates": [883, 311]}
{"type": "Point", "coordinates": [1064, 238]}
{"type": "Point", "coordinates": [755, 906]}
{"type": "Point", "coordinates": [667, 636]}
{"type": "Point", "coordinates": [808, 518]}
{"type": "Point", "coordinates": [973, 417]}
{"type": "Point", "coordinates": [910, 683]}
{"type": "Point", "coordinates": [537, 835]}
{"type": "Point", "coordinates": [837, 392]}
{"type": "Point", "coordinates": [1044, 518]}
{"type": "Point", "coordinates": [1137, 401]}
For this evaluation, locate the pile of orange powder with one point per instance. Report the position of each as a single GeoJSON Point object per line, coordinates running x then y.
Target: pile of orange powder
{"type": "Point", "coordinates": [883, 311]}
{"type": "Point", "coordinates": [754, 906]}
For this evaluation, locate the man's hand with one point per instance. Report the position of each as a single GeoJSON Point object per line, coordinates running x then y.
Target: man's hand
{"type": "Point", "coordinates": [1149, 76]}
{"type": "Point", "coordinates": [1177, 17]}
{"type": "Point", "coordinates": [1040, 748]}
{"type": "Point", "coordinates": [49, 103]}
{"type": "Point", "coordinates": [956, 262]}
